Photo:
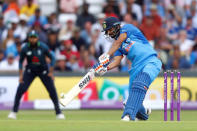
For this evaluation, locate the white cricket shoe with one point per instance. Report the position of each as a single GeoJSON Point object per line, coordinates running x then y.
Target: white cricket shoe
{"type": "Point", "coordinates": [126, 118]}
{"type": "Point", "coordinates": [12, 115]}
{"type": "Point", "coordinates": [60, 116]}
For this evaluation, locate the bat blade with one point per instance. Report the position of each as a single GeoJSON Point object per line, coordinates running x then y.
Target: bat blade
{"type": "Point", "coordinates": [68, 97]}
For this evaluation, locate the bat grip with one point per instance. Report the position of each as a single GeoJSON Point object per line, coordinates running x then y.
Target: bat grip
{"type": "Point", "coordinates": [105, 65]}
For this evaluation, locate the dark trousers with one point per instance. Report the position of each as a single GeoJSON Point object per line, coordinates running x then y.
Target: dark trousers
{"type": "Point", "coordinates": [28, 77]}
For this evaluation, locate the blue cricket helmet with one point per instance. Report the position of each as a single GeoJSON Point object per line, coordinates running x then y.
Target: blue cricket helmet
{"type": "Point", "coordinates": [110, 22]}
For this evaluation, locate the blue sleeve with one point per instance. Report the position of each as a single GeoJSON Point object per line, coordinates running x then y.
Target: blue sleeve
{"type": "Point", "coordinates": [124, 29]}
{"type": "Point", "coordinates": [118, 52]}
{"type": "Point", "coordinates": [128, 29]}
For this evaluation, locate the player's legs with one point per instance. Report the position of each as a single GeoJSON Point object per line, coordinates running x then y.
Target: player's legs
{"type": "Point", "coordinates": [28, 77]}
{"type": "Point", "coordinates": [142, 113]}
{"type": "Point", "coordinates": [137, 94]}
{"type": "Point", "coordinates": [139, 88]}
{"type": "Point", "coordinates": [49, 84]}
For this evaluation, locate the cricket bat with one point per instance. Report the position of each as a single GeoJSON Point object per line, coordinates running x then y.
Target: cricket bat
{"type": "Point", "coordinates": [68, 97]}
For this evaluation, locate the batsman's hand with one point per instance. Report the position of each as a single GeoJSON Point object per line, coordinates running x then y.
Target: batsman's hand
{"type": "Point", "coordinates": [104, 59]}
{"type": "Point", "coordinates": [100, 69]}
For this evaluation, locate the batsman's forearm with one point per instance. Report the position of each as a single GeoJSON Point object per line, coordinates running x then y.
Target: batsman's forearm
{"type": "Point", "coordinates": [115, 63]}
{"type": "Point", "coordinates": [111, 66]}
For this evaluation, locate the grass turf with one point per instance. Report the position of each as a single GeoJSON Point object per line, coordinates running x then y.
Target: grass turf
{"type": "Point", "coordinates": [94, 120]}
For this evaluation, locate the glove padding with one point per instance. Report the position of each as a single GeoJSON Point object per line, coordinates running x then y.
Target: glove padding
{"type": "Point", "coordinates": [100, 69]}
{"type": "Point", "coordinates": [104, 59]}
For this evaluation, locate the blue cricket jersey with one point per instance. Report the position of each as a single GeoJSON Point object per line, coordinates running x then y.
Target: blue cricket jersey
{"type": "Point", "coordinates": [136, 47]}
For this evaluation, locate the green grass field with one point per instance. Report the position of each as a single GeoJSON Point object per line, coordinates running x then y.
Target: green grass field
{"type": "Point", "coordinates": [94, 120]}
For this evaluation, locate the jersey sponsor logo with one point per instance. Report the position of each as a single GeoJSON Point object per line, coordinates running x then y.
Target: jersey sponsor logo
{"type": "Point", "coordinates": [85, 81]}
{"type": "Point", "coordinates": [35, 60]}
{"type": "Point", "coordinates": [127, 45]}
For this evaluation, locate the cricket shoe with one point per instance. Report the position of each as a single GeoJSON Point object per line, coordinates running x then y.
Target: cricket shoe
{"type": "Point", "coordinates": [60, 116]}
{"type": "Point", "coordinates": [126, 118]}
{"type": "Point", "coordinates": [148, 112]}
{"type": "Point", "coordinates": [12, 115]}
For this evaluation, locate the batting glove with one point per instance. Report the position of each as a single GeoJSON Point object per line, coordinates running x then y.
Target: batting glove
{"type": "Point", "coordinates": [104, 59]}
{"type": "Point", "coordinates": [100, 69]}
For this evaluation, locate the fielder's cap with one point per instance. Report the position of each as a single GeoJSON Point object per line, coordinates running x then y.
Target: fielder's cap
{"type": "Point", "coordinates": [33, 33]}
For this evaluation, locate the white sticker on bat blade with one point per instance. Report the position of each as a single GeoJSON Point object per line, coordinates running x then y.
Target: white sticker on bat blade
{"type": "Point", "coordinates": [84, 82]}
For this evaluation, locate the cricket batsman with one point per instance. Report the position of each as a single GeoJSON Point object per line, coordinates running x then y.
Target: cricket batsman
{"type": "Point", "coordinates": [130, 41]}
{"type": "Point", "coordinates": [35, 52]}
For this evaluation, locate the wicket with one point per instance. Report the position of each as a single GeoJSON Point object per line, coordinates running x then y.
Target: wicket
{"type": "Point", "coordinates": [172, 75]}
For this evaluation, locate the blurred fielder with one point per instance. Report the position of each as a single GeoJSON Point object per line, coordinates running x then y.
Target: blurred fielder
{"type": "Point", "coordinates": [130, 41]}
{"type": "Point", "coordinates": [35, 52]}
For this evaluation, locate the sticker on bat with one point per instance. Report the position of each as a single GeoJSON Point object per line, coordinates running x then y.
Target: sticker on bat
{"type": "Point", "coordinates": [85, 81]}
